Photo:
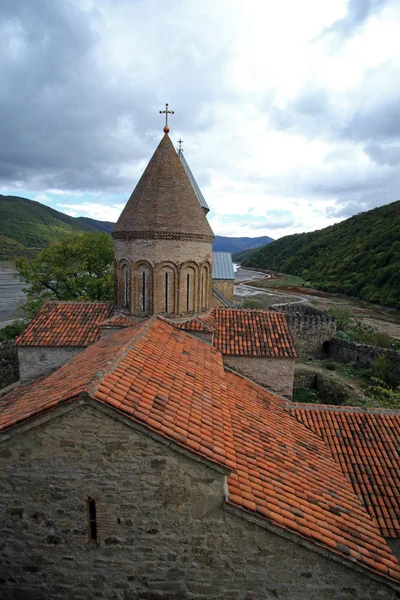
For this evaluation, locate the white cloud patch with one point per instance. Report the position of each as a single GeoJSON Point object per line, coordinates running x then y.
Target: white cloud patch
{"type": "Point", "coordinates": [100, 212]}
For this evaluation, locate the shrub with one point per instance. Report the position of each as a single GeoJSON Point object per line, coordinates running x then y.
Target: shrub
{"type": "Point", "coordinates": [9, 332]}
{"type": "Point", "coordinates": [386, 396]}
{"type": "Point", "coordinates": [250, 303]}
{"type": "Point", "coordinates": [383, 370]}
{"type": "Point", "coordinates": [383, 340]}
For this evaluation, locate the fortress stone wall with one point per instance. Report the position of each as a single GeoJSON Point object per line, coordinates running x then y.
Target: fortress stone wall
{"type": "Point", "coordinates": [310, 328]}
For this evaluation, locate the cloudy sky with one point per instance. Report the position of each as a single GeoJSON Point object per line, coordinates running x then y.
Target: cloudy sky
{"type": "Point", "coordinates": [289, 110]}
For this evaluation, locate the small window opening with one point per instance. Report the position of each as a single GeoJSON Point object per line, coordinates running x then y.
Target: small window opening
{"type": "Point", "coordinates": [144, 291]}
{"type": "Point", "coordinates": [126, 299]}
{"type": "Point", "coordinates": [187, 291]}
{"type": "Point", "coordinates": [166, 292]}
{"type": "Point", "coordinates": [92, 522]}
{"type": "Point", "coordinates": [202, 290]}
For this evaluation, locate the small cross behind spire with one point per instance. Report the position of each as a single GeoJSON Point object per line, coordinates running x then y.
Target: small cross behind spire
{"type": "Point", "coordinates": [179, 148]}
{"type": "Point", "coordinates": [166, 112]}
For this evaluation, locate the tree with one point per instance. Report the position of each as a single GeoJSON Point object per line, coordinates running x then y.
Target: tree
{"type": "Point", "coordinates": [78, 267]}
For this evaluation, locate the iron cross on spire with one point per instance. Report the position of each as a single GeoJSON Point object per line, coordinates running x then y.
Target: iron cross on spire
{"type": "Point", "coordinates": [166, 112]}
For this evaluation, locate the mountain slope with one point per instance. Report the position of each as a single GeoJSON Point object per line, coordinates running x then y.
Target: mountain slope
{"type": "Point", "coordinates": [95, 225]}
{"type": "Point", "coordinates": [234, 244]}
{"type": "Point", "coordinates": [34, 225]}
{"type": "Point", "coordinates": [358, 257]}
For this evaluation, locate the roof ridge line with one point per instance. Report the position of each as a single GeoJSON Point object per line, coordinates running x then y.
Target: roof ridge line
{"type": "Point", "coordinates": [94, 383]}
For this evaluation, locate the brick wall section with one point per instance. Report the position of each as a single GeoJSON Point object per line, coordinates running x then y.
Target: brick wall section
{"type": "Point", "coordinates": [172, 253]}
{"type": "Point", "coordinates": [225, 286]}
{"type": "Point", "coordinates": [363, 355]}
{"type": "Point", "coordinates": [163, 533]}
{"type": "Point", "coordinates": [9, 371]}
{"type": "Point", "coordinates": [310, 328]}
{"type": "Point", "coordinates": [275, 374]}
{"type": "Point", "coordinates": [35, 362]}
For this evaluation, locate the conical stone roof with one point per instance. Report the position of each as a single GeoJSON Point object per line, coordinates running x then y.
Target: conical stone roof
{"type": "Point", "coordinates": [164, 204]}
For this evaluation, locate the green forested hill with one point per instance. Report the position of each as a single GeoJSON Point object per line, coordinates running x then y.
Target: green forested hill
{"type": "Point", "coordinates": [34, 225]}
{"type": "Point", "coordinates": [358, 257]}
{"type": "Point", "coordinates": [105, 226]}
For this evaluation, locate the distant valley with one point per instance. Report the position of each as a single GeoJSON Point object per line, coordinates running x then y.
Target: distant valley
{"type": "Point", "coordinates": [358, 257]}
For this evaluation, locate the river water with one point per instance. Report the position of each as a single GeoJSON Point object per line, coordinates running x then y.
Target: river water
{"type": "Point", "coordinates": [11, 296]}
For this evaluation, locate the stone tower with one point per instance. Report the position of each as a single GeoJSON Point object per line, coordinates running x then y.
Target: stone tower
{"type": "Point", "coordinates": [163, 243]}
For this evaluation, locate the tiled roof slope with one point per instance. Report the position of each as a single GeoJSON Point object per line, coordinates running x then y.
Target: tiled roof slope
{"type": "Point", "coordinates": [151, 372]}
{"type": "Point", "coordinates": [366, 445]}
{"type": "Point", "coordinates": [67, 382]}
{"type": "Point", "coordinates": [175, 385]}
{"type": "Point", "coordinates": [243, 332]}
{"type": "Point", "coordinates": [164, 200]}
{"type": "Point", "coordinates": [288, 476]}
{"type": "Point", "coordinates": [72, 324]}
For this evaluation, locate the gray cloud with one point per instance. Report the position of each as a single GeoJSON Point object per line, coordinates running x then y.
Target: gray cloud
{"type": "Point", "coordinates": [358, 12]}
{"type": "Point", "coordinates": [64, 114]}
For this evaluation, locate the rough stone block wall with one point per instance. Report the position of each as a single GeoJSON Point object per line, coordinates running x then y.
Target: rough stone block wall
{"type": "Point", "coordinates": [225, 286]}
{"type": "Point", "coordinates": [347, 351]}
{"type": "Point", "coordinates": [163, 532]}
{"type": "Point", "coordinates": [35, 362]}
{"type": "Point", "coordinates": [310, 328]}
{"type": "Point", "coordinates": [9, 371]}
{"type": "Point", "coordinates": [275, 374]}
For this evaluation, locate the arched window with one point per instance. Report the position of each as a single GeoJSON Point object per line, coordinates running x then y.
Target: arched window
{"type": "Point", "coordinates": [204, 287]}
{"type": "Point", "coordinates": [190, 292]}
{"type": "Point", "coordinates": [166, 300]}
{"type": "Point", "coordinates": [143, 289]}
{"type": "Point", "coordinates": [125, 287]}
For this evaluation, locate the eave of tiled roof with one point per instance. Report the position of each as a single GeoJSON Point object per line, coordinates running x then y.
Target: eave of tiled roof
{"type": "Point", "coordinates": [366, 445]}
{"type": "Point", "coordinates": [176, 386]}
{"type": "Point", "coordinates": [66, 324]}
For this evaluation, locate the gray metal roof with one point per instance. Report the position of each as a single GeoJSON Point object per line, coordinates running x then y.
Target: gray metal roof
{"type": "Point", "coordinates": [192, 180]}
{"type": "Point", "coordinates": [222, 266]}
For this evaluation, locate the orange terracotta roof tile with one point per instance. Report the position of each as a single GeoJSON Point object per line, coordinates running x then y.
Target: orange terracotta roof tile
{"type": "Point", "coordinates": [366, 445]}
{"type": "Point", "coordinates": [118, 321]}
{"type": "Point", "coordinates": [72, 324]}
{"type": "Point", "coordinates": [288, 476]}
{"type": "Point", "coordinates": [196, 324]}
{"type": "Point", "coordinates": [175, 385]}
{"type": "Point", "coordinates": [243, 332]}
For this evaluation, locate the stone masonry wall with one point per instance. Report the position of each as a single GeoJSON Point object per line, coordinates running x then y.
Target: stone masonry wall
{"type": "Point", "coordinates": [177, 253]}
{"type": "Point", "coordinates": [364, 355]}
{"type": "Point", "coordinates": [310, 328]}
{"type": "Point", "coordinates": [9, 372]}
{"type": "Point", "coordinates": [275, 374]}
{"type": "Point", "coordinates": [35, 362]}
{"type": "Point", "coordinates": [225, 286]}
{"type": "Point", "coordinates": [163, 533]}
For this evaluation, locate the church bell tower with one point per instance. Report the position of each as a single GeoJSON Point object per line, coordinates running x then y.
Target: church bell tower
{"type": "Point", "coordinates": [163, 242]}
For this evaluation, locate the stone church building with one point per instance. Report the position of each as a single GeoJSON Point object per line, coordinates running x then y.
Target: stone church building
{"type": "Point", "coordinates": [154, 453]}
